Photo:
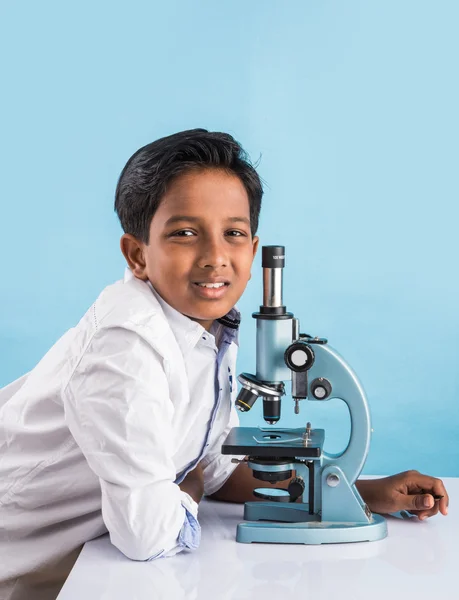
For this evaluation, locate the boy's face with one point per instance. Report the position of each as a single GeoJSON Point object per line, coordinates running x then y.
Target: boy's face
{"type": "Point", "coordinates": [200, 250]}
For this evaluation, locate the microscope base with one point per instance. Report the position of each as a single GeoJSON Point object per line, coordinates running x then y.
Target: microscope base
{"type": "Point", "coordinates": [305, 529]}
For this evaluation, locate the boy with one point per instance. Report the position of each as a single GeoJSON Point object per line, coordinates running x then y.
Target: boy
{"type": "Point", "coordinates": [119, 427]}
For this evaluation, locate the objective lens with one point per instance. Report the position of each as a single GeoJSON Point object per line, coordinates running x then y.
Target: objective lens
{"type": "Point", "coordinates": [245, 399]}
{"type": "Point", "coordinates": [271, 409]}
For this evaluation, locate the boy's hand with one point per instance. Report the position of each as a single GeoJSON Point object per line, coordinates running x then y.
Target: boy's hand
{"type": "Point", "coordinates": [193, 484]}
{"type": "Point", "coordinates": [409, 490]}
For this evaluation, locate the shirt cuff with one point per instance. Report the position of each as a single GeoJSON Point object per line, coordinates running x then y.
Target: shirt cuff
{"type": "Point", "coordinates": [190, 534]}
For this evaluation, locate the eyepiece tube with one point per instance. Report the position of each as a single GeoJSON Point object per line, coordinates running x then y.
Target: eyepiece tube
{"type": "Point", "coordinates": [273, 262]}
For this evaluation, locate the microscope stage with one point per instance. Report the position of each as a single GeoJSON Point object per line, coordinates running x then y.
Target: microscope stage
{"type": "Point", "coordinates": [254, 441]}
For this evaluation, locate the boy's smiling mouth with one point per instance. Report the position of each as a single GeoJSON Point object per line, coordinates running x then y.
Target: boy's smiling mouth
{"type": "Point", "coordinates": [211, 289]}
{"type": "Point", "coordinates": [211, 285]}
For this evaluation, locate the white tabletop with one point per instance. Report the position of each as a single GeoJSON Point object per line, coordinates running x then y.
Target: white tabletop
{"type": "Point", "coordinates": [417, 561]}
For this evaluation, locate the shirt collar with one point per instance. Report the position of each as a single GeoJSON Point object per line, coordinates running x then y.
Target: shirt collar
{"type": "Point", "coordinates": [187, 332]}
{"type": "Point", "coordinates": [230, 326]}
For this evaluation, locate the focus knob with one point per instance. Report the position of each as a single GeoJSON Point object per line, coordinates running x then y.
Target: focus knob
{"type": "Point", "coordinates": [299, 357]}
{"type": "Point", "coordinates": [321, 388]}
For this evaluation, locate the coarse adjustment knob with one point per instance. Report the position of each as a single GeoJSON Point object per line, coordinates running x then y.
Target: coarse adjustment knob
{"type": "Point", "coordinates": [299, 357]}
{"type": "Point", "coordinates": [321, 388]}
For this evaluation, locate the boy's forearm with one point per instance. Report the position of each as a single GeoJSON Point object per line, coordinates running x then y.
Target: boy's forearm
{"type": "Point", "coordinates": [363, 486]}
{"type": "Point", "coordinates": [193, 484]}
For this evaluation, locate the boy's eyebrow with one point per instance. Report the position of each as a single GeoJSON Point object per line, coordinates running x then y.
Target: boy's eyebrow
{"type": "Point", "coordinates": [177, 218]}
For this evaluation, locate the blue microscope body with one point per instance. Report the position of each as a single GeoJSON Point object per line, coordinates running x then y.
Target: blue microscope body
{"type": "Point", "coordinates": [321, 504]}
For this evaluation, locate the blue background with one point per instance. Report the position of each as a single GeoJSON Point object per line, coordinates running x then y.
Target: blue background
{"type": "Point", "coordinates": [352, 107]}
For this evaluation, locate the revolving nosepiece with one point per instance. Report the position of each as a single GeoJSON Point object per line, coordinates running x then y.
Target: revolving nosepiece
{"type": "Point", "coordinates": [252, 388]}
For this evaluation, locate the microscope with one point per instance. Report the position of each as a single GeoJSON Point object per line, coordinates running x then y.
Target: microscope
{"type": "Point", "coordinates": [320, 504]}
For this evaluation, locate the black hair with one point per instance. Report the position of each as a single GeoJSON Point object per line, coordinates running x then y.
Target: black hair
{"type": "Point", "coordinates": [143, 181]}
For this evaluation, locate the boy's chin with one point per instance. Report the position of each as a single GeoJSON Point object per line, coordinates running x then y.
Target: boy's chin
{"type": "Point", "coordinates": [209, 315]}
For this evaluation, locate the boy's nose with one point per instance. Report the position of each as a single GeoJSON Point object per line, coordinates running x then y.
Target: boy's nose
{"type": "Point", "coordinates": [213, 256]}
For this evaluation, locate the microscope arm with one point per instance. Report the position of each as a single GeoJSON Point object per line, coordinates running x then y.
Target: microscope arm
{"type": "Point", "coordinates": [346, 386]}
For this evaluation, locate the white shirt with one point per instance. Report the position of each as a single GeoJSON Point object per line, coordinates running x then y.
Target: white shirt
{"type": "Point", "coordinates": [100, 433]}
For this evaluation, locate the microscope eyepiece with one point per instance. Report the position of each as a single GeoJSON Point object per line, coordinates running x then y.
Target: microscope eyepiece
{"type": "Point", "coordinates": [273, 261]}
{"type": "Point", "coordinates": [273, 257]}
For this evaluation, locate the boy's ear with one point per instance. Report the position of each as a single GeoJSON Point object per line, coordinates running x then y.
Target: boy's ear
{"type": "Point", "coordinates": [133, 251]}
{"type": "Point", "coordinates": [255, 243]}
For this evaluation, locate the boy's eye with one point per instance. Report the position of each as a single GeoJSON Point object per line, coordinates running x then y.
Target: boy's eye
{"type": "Point", "coordinates": [190, 233]}
{"type": "Point", "coordinates": [183, 233]}
{"type": "Point", "coordinates": [236, 233]}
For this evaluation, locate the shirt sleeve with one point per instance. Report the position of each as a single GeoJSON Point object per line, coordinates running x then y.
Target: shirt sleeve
{"type": "Point", "coordinates": [119, 411]}
{"type": "Point", "coordinates": [217, 467]}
